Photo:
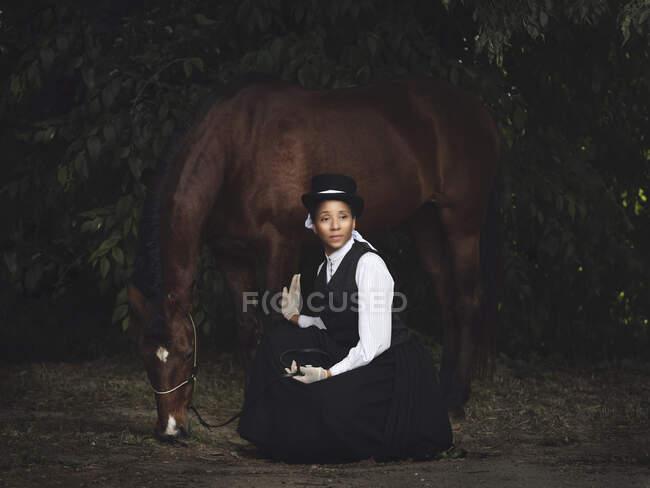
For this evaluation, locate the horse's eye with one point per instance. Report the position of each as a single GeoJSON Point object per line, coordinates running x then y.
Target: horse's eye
{"type": "Point", "coordinates": [188, 357]}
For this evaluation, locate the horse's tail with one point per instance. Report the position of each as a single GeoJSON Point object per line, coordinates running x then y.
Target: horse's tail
{"type": "Point", "coordinates": [491, 264]}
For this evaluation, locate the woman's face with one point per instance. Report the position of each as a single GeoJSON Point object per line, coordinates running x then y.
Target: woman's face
{"type": "Point", "coordinates": [333, 224]}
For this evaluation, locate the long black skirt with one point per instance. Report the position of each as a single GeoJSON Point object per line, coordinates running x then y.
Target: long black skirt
{"type": "Point", "coordinates": [389, 409]}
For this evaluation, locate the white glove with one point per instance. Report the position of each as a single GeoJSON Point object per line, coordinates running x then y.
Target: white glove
{"type": "Point", "coordinates": [291, 298]}
{"type": "Point", "coordinates": [310, 374]}
{"type": "Point", "coordinates": [293, 369]}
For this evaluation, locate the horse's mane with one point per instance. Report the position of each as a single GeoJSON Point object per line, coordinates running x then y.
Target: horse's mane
{"type": "Point", "coordinates": [147, 274]}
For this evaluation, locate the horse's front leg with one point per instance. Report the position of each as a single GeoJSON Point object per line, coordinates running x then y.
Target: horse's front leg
{"type": "Point", "coordinates": [282, 253]}
{"type": "Point", "coordinates": [240, 276]}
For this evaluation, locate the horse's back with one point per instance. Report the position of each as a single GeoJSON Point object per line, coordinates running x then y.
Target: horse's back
{"type": "Point", "coordinates": [417, 134]}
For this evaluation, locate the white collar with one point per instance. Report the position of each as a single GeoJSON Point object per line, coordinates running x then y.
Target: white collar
{"type": "Point", "coordinates": [337, 255]}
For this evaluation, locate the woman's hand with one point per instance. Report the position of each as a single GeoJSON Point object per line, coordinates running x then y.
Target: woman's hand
{"type": "Point", "coordinates": [310, 374]}
{"type": "Point", "coordinates": [294, 368]}
{"type": "Point", "coordinates": [291, 299]}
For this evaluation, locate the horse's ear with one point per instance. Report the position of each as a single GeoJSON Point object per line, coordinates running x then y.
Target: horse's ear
{"type": "Point", "coordinates": [138, 304]}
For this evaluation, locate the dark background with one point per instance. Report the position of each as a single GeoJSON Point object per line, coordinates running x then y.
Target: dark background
{"type": "Point", "coordinates": [91, 92]}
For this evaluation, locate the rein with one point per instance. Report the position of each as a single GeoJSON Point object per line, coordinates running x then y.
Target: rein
{"type": "Point", "coordinates": [284, 375]}
{"type": "Point", "coordinates": [193, 378]}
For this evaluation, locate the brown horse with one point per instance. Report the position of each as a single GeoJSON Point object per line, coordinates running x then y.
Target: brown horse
{"type": "Point", "coordinates": [424, 153]}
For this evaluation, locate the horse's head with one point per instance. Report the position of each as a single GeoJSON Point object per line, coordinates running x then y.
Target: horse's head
{"type": "Point", "coordinates": [166, 339]}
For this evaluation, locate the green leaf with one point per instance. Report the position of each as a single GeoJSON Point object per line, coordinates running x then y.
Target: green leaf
{"type": "Point", "coordinates": [11, 262]}
{"type": "Point", "coordinates": [120, 312]}
{"type": "Point", "coordinates": [107, 96]}
{"type": "Point", "coordinates": [61, 42]}
{"type": "Point", "coordinates": [543, 18]}
{"type": "Point", "coordinates": [571, 207]}
{"type": "Point", "coordinates": [372, 44]}
{"type": "Point", "coordinates": [128, 223]}
{"type": "Point", "coordinates": [94, 146]}
{"type": "Point", "coordinates": [33, 276]}
{"type": "Point", "coordinates": [276, 48]}
{"type": "Point", "coordinates": [80, 164]}
{"type": "Point", "coordinates": [265, 61]}
{"type": "Point", "coordinates": [197, 63]}
{"type": "Point", "coordinates": [519, 118]}
{"type": "Point", "coordinates": [187, 67]}
{"type": "Point", "coordinates": [306, 75]}
{"type": "Point", "coordinates": [41, 136]}
{"type": "Point", "coordinates": [363, 74]}
{"type": "Point", "coordinates": [104, 247]}
{"type": "Point", "coordinates": [109, 133]}
{"type": "Point", "coordinates": [136, 167]}
{"type": "Point", "coordinates": [118, 255]}
{"type": "Point", "coordinates": [95, 106]}
{"type": "Point", "coordinates": [88, 75]}
{"type": "Point", "coordinates": [123, 206]}
{"type": "Point", "coordinates": [125, 323]}
{"type": "Point", "coordinates": [203, 20]}
{"type": "Point", "coordinates": [104, 266]}
{"type": "Point", "coordinates": [582, 208]}
{"type": "Point", "coordinates": [453, 452]}
{"type": "Point", "coordinates": [34, 75]}
{"type": "Point", "coordinates": [62, 174]}
{"type": "Point", "coordinates": [199, 316]}
{"type": "Point", "coordinates": [325, 77]}
{"type": "Point", "coordinates": [122, 296]}
{"type": "Point", "coordinates": [47, 58]}
{"type": "Point", "coordinates": [206, 327]}
{"type": "Point", "coordinates": [92, 225]}
{"type": "Point", "coordinates": [17, 85]}
{"type": "Point", "coordinates": [168, 128]}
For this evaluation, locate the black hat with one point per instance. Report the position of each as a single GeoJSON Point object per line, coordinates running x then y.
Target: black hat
{"type": "Point", "coordinates": [333, 187]}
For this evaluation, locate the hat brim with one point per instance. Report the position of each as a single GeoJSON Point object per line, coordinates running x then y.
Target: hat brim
{"type": "Point", "coordinates": [311, 200]}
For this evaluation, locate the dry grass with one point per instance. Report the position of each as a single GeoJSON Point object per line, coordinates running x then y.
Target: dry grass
{"type": "Point", "coordinates": [59, 418]}
{"type": "Point", "coordinates": [591, 414]}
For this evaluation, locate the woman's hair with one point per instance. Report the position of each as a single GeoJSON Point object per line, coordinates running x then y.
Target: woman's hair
{"type": "Point", "coordinates": [314, 209]}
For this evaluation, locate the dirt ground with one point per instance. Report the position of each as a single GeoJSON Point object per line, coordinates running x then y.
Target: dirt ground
{"type": "Point", "coordinates": [91, 424]}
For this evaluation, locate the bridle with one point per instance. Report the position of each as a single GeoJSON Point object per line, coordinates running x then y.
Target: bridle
{"type": "Point", "coordinates": [192, 378]}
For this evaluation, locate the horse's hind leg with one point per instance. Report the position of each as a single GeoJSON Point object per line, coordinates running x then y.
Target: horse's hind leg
{"type": "Point", "coordinates": [431, 246]}
{"type": "Point", "coordinates": [463, 228]}
{"type": "Point", "coordinates": [240, 276]}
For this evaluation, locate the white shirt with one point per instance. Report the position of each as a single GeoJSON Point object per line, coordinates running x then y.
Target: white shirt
{"type": "Point", "coordinates": [375, 285]}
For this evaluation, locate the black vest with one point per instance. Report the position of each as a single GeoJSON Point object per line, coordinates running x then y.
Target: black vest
{"type": "Point", "coordinates": [337, 302]}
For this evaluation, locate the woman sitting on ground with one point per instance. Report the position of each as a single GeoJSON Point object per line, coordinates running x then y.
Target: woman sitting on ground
{"type": "Point", "coordinates": [377, 395]}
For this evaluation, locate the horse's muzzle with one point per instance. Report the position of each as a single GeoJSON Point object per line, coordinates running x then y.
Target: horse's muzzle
{"type": "Point", "coordinates": [181, 434]}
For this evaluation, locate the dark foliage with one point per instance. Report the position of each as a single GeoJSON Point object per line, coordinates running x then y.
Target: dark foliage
{"type": "Point", "coordinates": [93, 92]}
